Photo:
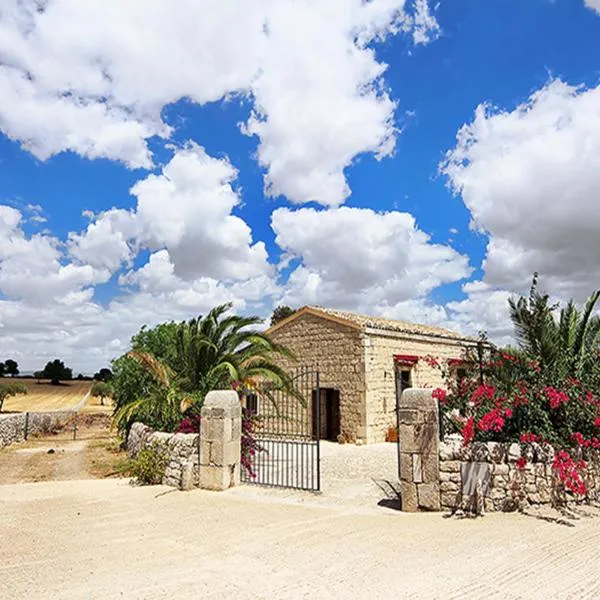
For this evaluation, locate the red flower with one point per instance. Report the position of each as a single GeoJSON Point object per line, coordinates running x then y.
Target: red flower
{"type": "Point", "coordinates": [521, 462]}
{"type": "Point", "coordinates": [529, 438]}
{"type": "Point", "coordinates": [468, 431]}
{"type": "Point", "coordinates": [556, 397]}
{"type": "Point", "coordinates": [491, 421]}
{"type": "Point", "coordinates": [508, 413]}
{"type": "Point", "coordinates": [597, 422]}
{"type": "Point", "coordinates": [439, 394]}
{"type": "Point", "coordinates": [482, 392]}
{"type": "Point", "coordinates": [578, 437]}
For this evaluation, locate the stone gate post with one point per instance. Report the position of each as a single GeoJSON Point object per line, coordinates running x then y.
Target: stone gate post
{"type": "Point", "coordinates": [418, 436]}
{"type": "Point", "coordinates": [220, 440]}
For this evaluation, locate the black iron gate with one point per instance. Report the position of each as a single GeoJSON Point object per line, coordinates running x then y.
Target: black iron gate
{"type": "Point", "coordinates": [285, 448]}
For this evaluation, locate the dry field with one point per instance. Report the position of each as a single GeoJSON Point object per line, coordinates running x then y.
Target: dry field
{"type": "Point", "coordinates": [44, 396]}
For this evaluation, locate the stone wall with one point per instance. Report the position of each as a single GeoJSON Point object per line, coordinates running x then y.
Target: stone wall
{"type": "Point", "coordinates": [504, 486]}
{"type": "Point", "coordinates": [182, 470]}
{"type": "Point", "coordinates": [380, 348]}
{"type": "Point", "coordinates": [338, 351]}
{"type": "Point", "coordinates": [14, 427]}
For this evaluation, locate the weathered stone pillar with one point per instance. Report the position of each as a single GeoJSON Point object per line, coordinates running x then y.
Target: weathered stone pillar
{"type": "Point", "coordinates": [418, 435]}
{"type": "Point", "coordinates": [220, 441]}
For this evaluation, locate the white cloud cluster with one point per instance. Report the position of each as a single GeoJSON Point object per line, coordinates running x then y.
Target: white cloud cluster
{"type": "Point", "coordinates": [93, 78]}
{"type": "Point", "coordinates": [531, 179]}
{"type": "Point", "coordinates": [361, 259]}
{"type": "Point", "coordinates": [593, 4]}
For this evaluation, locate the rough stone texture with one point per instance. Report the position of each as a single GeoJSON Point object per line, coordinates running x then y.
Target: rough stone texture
{"type": "Point", "coordinates": [358, 360]}
{"type": "Point", "coordinates": [418, 435]}
{"type": "Point", "coordinates": [12, 426]}
{"type": "Point", "coordinates": [182, 470]}
{"type": "Point", "coordinates": [509, 487]}
{"type": "Point", "coordinates": [380, 379]}
{"type": "Point", "coordinates": [220, 450]}
{"type": "Point", "coordinates": [338, 352]}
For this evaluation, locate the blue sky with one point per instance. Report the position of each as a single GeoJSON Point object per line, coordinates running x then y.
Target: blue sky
{"type": "Point", "coordinates": [297, 153]}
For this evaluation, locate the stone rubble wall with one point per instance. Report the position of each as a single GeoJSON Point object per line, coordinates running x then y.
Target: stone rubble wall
{"type": "Point", "coordinates": [13, 426]}
{"type": "Point", "coordinates": [182, 470]}
{"type": "Point", "coordinates": [380, 348]}
{"type": "Point", "coordinates": [509, 487]}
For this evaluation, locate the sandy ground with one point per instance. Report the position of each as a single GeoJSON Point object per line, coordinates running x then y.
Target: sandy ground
{"type": "Point", "coordinates": [106, 539]}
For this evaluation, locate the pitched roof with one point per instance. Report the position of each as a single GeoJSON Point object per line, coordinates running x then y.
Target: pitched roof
{"type": "Point", "coordinates": [359, 321]}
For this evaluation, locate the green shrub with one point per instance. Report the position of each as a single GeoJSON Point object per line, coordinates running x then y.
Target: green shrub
{"type": "Point", "coordinates": [148, 468]}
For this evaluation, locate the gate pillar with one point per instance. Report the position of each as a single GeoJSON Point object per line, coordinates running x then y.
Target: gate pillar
{"type": "Point", "coordinates": [220, 440]}
{"type": "Point", "coordinates": [418, 439]}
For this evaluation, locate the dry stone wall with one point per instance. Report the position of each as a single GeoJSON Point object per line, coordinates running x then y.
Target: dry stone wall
{"type": "Point", "coordinates": [504, 486]}
{"type": "Point", "coordinates": [338, 351]}
{"type": "Point", "coordinates": [16, 427]}
{"type": "Point", "coordinates": [182, 469]}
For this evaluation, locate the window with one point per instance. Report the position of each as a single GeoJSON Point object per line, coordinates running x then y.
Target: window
{"type": "Point", "coordinates": [252, 403]}
{"type": "Point", "coordinates": [461, 374]}
{"type": "Point", "coordinates": [405, 379]}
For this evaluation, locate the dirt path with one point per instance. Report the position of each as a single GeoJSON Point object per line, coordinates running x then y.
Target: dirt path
{"type": "Point", "coordinates": [59, 457]}
{"type": "Point", "coordinates": [106, 539]}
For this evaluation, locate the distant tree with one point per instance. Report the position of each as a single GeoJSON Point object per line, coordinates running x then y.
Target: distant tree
{"type": "Point", "coordinates": [55, 370]}
{"type": "Point", "coordinates": [101, 390]}
{"type": "Point", "coordinates": [2, 369]}
{"type": "Point", "coordinates": [39, 375]}
{"type": "Point", "coordinates": [12, 389]}
{"type": "Point", "coordinates": [79, 377]}
{"type": "Point", "coordinates": [103, 374]}
{"type": "Point", "coordinates": [280, 313]}
{"type": "Point", "coordinates": [11, 367]}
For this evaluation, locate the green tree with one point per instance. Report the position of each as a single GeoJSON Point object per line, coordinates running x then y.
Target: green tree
{"type": "Point", "coordinates": [198, 356]}
{"type": "Point", "coordinates": [56, 371]}
{"type": "Point", "coordinates": [280, 313]}
{"type": "Point", "coordinates": [12, 389]}
{"type": "Point", "coordinates": [2, 369]}
{"type": "Point", "coordinates": [101, 390]}
{"type": "Point", "coordinates": [11, 367]}
{"type": "Point", "coordinates": [564, 345]}
{"type": "Point", "coordinates": [103, 374]}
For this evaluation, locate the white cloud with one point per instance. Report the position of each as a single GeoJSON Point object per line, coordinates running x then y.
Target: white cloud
{"type": "Point", "coordinates": [93, 78]}
{"type": "Point", "coordinates": [31, 268]}
{"type": "Point", "coordinates": [593, 4]}
{"type": "Point", "coordinates": [360, 259]}
{"type": "Point", "coordinates": [531, 179]}
{"type": "Point", "coordinates": [186, 210]}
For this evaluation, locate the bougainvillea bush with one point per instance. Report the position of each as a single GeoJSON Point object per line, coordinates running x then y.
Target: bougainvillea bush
{"type": "Point", "coordinates": [510, 398]}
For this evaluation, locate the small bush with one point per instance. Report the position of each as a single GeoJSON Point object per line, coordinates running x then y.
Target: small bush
{"type": "Point", "coordinates": [148, 468]}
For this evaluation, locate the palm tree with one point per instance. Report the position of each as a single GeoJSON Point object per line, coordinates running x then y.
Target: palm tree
{"type": "Point", "coordinates": [567, 345]}
{"type": "Point", "coordinates": [211, 352]}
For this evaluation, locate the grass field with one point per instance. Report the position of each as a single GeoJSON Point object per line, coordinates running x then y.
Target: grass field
{"type": "Point", "coordinates": [43, 396]}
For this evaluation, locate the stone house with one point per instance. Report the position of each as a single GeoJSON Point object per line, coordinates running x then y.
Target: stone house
{"type": "Point", "coordinates": [364, 363]}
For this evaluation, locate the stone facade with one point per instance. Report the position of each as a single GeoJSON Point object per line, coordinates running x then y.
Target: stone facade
{"type": "Point", "coordinates": [14, 427]}
{"type": "Point", "coordinates": [338, 352]}
{"type": "Point", "coordinates": [182, 449]}
{"type": "Point", "coordinates": [380, 369]}
{"type": "Point", "coordinates": [358, 360]}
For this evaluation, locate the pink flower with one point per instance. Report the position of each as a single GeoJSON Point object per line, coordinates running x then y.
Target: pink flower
{"type": "Point", "coordinates": [508, 413]}
{"type": "Point", "coordinates": [597, 422]}
{"type": "Point", "coordinates": [529, 438]}
{"type": "Point", "coordinates": [468, 431]}
{"type": "Point", "coordinates": [491, 421]}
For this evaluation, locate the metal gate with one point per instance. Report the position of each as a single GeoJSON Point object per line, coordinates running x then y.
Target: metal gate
{"type": "Point", "coordinates": [285, 437]}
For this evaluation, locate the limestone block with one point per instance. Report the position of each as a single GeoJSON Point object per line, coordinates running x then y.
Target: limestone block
{"type": "Point", "coordinates": [205, 452]}
{"type": "Point", "coordinates": [408, 416]}
{"type": "Point", "coordinates": [408, 495]}
{"type": "Point", "coordinates": [406, 466]}
{"type": "Point", "coordinates": [429, 496]}
{"type": "Point", "coordinates": [419, 438]}
{"type": "Point", "coordinates": [450, 466]}
{"type": "Point", "coordinates": [450, 499]}
{"type": "Point", "coordinates": [500, 469]}
{"type": "Point", "coordinates": [514, 452]}
{"type": "Point", "coordinates": [215, 478]}
{"type": "Point", "coordinates": [216, 430]}
{"type": "Point", "coordinates": [225, 454]}
{"type": "Point", "coordinates": [448, 486]}
{"type": "Point", "coordinates": [430, 467]}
